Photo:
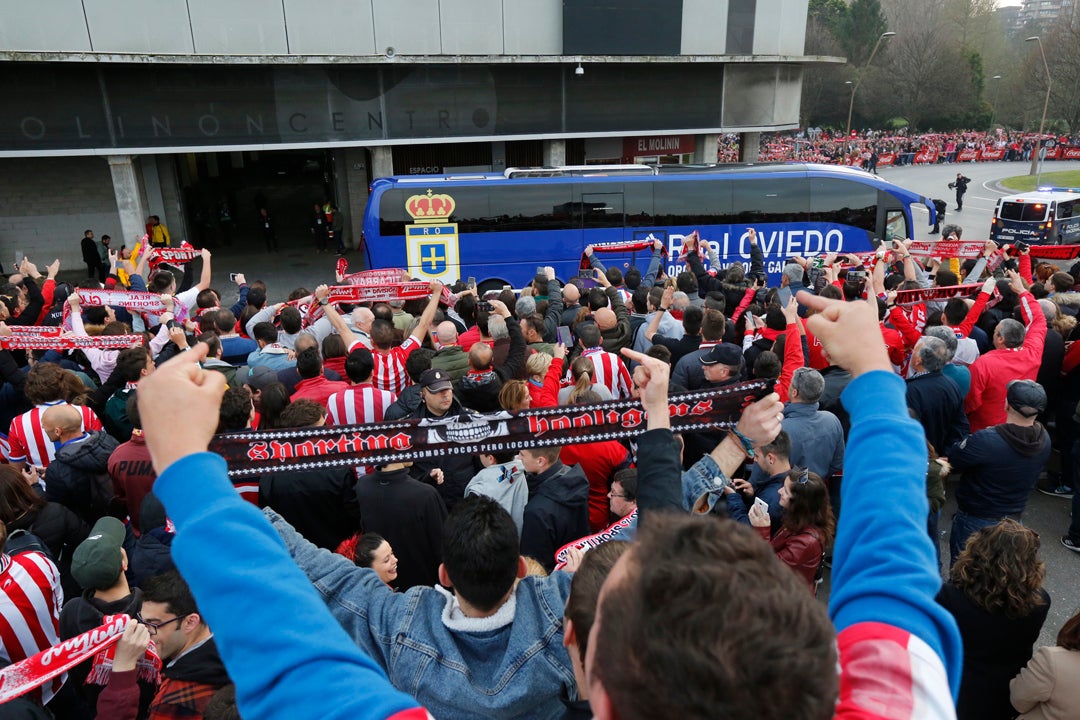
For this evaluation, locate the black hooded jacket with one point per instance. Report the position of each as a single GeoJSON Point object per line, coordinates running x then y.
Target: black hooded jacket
{"type": "Point", "coordinates": [557, 512]}
{"type": "Point", "coordinates": [79, 477]}
{"type": "Point", "coordinates": [1000, 466]}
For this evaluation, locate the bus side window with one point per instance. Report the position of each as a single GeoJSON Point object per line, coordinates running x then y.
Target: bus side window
{"type": "Point", "coordinates": [896, 225]}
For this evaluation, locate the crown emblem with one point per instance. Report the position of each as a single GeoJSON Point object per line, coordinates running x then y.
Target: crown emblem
{"type": "Point", "coordinates": [430, 208]}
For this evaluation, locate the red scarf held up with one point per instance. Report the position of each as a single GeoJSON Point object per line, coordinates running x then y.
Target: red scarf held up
{"type": "Point", "coordinates": [614, 247]}
{"type": "Point", "coordinates": [98, 643]}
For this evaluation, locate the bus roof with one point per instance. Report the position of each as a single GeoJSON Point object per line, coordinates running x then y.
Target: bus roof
{"type": "Point", "coordinates": [658, 173]}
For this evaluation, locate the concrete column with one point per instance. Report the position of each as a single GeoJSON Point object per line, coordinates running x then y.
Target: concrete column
{"type": "Point", "coordinates": [554, 153]}
{"type": "Point", "coordinates": [341, 193]}
{"type": "Point", "coordinates": [355, 168]}
{"type": "Point", "coordinates": [129, 200]}
{"type": "Point", "coordinates": [705, 147]}
{"type": "Point", "coordinates": [382, 161]}
{"type": "Point", "coordinates": [749, 144]}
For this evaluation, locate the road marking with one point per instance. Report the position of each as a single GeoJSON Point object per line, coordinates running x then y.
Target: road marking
{"type": "Point", "coordinates": [979, 197]}
{"type": "Point", "coordinates": [990, 189]}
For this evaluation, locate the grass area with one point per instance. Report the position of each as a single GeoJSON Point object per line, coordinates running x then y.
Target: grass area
{"type": "Point", "coordinates": [1023, 183]}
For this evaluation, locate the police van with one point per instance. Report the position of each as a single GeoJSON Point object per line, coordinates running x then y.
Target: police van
{"type": "Point", "coordinates": [1047, 216]}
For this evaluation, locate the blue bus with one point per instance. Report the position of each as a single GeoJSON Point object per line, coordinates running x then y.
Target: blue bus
{"type": "Point", "coordinates": [498, 228]}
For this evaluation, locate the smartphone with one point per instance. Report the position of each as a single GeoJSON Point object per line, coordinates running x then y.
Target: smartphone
{"type": "Point", "coordinates": [564, 335]}
{"type": "Point", "coordinates": [540, 270]}
{"type": "Point", "coordinates": [471, 283]}
{"type": "Point", "coordinates": [232, 277]}
{"type": "Point", "coordinates": [18, 258]}
{"type": "Point", "coordinates": [784, 296]}
{"type": "Point", "coordinates": [762, 505]}
{"type": "Point", "coordinates": [485, 306]}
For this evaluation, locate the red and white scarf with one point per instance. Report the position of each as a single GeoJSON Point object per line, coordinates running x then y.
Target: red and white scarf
{"type": "Point", "coordinates": [619, 247]}
{"type": "Point", "coordinates": [910, 297]}
{"type": "Point", "coordinates": [99, 643]}
{"type": "Point", "coordinates": [369, 293]}
{"type": "Point", "coordinates": [381, 276]}
{"type": "Point", "coordinates": [52, 341]}
{"type": "Point", "coordinates": [615, 531]}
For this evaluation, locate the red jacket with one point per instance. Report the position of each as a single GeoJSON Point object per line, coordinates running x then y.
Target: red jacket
{"type": "Point", "coordinates": [802, 551]}
{"type": "Point", "coordinates": [599, 461]}
{"type": "Point", "coordinates": [985, 402]}
{"type": "Point", "coordinates": [547, 394]}
{"type": "Point", "coordinates": [318, 389]}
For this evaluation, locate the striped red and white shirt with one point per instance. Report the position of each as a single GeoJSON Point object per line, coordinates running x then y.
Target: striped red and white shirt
{"type": "Point", "coordinates": [359, 405]}
{"type": "Point", "coordinates": [390, 372]}
{"type": "Point", "coordinates": [30, 602]}
{"type": "Point", "coordinates": [28, 441]}
{"type": "Point", "coordinates": [610, 372]}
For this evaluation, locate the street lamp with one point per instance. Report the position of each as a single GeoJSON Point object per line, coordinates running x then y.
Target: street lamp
{"type": "Point", "coordinates": [993, 106]}
{"type": "Point", "coordinates": [858, 78]}
{"type": "Point", "coordinates": [1036, 168]}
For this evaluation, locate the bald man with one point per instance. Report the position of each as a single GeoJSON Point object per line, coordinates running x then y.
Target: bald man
{"type": "Point", "coordinates": [79, 474]}
{"type": "Point", "coordinates": [479, 388]}
{"type": "Point", "coordinates": [571, 296]}
{"type": "Point", "coordinates": [450, 358]}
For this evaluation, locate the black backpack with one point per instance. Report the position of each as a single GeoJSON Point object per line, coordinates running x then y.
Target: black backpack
{"type": "Point", "coordinates": [23, 541]}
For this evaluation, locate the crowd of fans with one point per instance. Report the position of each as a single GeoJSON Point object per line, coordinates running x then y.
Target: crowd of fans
{"type": "Point", "coordinates": [433, 586]}
{"type": "Point", "coordinates": [870, 148]}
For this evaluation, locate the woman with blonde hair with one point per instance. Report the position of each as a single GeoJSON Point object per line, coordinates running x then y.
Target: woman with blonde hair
{"type": "Point", "coordinates": [514, 396]}
{"type": "Point", "coordinates": [1047, 689]}
{"type": "Point", "coordinates": [583, 373]}
{"type": "Point", "coordinates": [995, 593]}
{"type": "Point", "coordinates": [544, 373]}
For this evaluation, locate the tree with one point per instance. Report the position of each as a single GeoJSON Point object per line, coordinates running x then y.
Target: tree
{"type": "Point", "coordinates": [823, 87]}
{"type": "Point", "coordinates": [859, 28]}
{"type": "Point", "coordinates": [1063, 57]}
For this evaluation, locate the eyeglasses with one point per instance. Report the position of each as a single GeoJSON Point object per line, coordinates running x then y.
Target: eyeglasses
{"type": "Point", "coordinates": [154, 627]}
{"type": "Point", "coordinates": [805, 477]}
{"type": "Point", "coordinates": [615, 495]}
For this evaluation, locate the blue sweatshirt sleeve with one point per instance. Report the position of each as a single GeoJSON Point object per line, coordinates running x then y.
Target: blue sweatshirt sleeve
{"type": "Point", "coordinates": [282, 648]}
{"type": "Point", "coordinates": [884, 565]}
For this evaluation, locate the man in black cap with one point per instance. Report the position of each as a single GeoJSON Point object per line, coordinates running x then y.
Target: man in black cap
{"type": "Point", "coordinates": [689, 371]}
{"type": "Point", "coordinates": [712, 367]}
{"type": "Point", "coordinates": [1000, 464]}
{"type": "Point", "coordinates": [449, 473]}
{"type": "Point", "coordinates": [99, 564]}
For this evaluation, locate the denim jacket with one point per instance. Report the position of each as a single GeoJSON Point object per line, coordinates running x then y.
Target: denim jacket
{"type": "Point", "coordinates": [519, 669]}
{"type": "Point", "coordinates": [703, 482]}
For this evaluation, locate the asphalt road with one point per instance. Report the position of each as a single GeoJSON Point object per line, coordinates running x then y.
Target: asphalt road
{"type": "Point", "coordinates": [983, 192]}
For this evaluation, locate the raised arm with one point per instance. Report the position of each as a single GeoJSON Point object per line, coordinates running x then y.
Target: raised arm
{"type": "Point", "coordinates": [322, 293]}
{"type": "Point", "coordinates": [207, 273]}
{"type": "Point", "coordinates": [654, 264]}
{"type": "Point", "coordinates": [428, 316]}
{"type": "Point", "coordinates": [665, 305]}
{"type": "Point", "coordinates": [259, 603]}
{"type": "Point", "coordinates": [885, 575]}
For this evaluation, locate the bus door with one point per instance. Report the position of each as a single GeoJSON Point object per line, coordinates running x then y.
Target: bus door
{"type": "Point", "coordinates": [892, 224]}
